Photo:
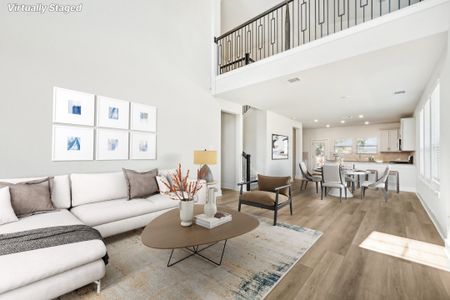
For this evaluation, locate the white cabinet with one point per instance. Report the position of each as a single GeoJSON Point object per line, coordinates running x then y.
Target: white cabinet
{"type": "Point", "coordinates": [408, 134]}
{"type": "Point", "coordinates": [389, 140]}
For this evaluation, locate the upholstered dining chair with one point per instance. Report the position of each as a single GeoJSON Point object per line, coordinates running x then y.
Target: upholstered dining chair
{"type": "Point", "coordinates": [308, 177]}
{"type": "Point", "coordinates": [332, 178]}
{"type": "Point", "coordinates": [273, 193]}
{"type": "Point", "coordinates": [380, 184]}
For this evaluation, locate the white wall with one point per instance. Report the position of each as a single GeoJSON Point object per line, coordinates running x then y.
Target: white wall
{"type": "Point", "coordinates": [436, 199]}
{"type": "Point", "coordinates": [445, 138]}
{"type": "Point", "coordinates": [255, 140]}
{"type": "Point", "coordinates": [278, 124]}
{"type": "Point", "coordinates": [138, 52]}
{"type": "Point", "coordinates": [228, 151]}
{"type": "Point", "coordinates": [258, 129]}
{"type": "Point", "coordinates": [236, 12]}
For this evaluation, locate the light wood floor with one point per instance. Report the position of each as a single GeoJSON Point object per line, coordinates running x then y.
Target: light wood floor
{"type": "Point", "coordinates": [336, 268]}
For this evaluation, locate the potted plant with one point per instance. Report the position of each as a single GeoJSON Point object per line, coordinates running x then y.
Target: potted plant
{"type": "Point", "coordinates": [181, 188]}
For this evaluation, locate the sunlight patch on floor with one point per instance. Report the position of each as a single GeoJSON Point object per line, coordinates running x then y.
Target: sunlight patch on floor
{"type": "Point", "coordinates": [412, 250]}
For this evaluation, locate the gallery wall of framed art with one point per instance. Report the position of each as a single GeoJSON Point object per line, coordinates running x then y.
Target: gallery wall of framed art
{"type": "Point", "coordinates": [94, 127]}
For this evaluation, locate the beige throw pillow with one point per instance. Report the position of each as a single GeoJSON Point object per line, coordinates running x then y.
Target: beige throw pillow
{"type": "Point", "coordinates": [141, 185]}
{"type": "Point", "coordinates": [30, 197]}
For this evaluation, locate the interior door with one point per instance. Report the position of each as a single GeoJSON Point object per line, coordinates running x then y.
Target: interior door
{"type": "Point", "coordinates": [319, 150]}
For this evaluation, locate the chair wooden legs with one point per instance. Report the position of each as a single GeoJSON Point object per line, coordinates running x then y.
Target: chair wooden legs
{"type": "Point", "coordinates": [290, 206]}
{"type": "Point", "coordinates": [239, 207]}
{"type": "Point", "coordinates": [317, 187]}
{"type": "Point", "coordinates": [321, 193]}
{"type": "Point", "coordinates": [362, 192]}
{"type": "Point", "coordinates": [346, 193]}
{"type": "Point", "coordinates": [275, 216]}
{"type": "Point", "coordinates": [340, 195]}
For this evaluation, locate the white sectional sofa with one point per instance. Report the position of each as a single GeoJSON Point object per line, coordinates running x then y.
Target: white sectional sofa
{"type": "Point", "coordinates": [98, 200]}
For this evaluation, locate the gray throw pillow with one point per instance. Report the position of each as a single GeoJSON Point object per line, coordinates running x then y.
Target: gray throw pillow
{"type": "Point", "coordinates": [141, 185]}
{"type": "Point", "coordinates": [30, 197]}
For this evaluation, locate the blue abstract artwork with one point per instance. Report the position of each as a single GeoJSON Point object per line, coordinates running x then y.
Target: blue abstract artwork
{"type": "Point", "coordinates": [74, 107]}
{"type": "Point", "coordinates": [113, 144]}
{"type": "Point", "coordinates": [73, 143]}
{"type": "Point", "coordinates": [113, 113]}
{"type": "Point", "coordinates": [143, 146]}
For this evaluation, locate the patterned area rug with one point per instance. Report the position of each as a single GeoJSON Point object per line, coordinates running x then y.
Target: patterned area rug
{"type": "Point", "coordinates": [252, 266]}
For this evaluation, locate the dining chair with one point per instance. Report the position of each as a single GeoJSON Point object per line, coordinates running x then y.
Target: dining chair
{"type": "Point", "coordinates": [332, 178]}
{"type": "Point", "coordinates": [309, 177]}
{"type": "Point", "coordinates": [380, 184]}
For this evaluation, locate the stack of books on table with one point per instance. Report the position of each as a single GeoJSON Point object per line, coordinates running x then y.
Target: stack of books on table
{"type": "Point", "coordinates": [219, 219]}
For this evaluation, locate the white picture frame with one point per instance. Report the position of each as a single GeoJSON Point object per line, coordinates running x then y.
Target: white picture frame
{"type": "Point", "coordinates": [142, 145]}
{"type": "Point", "coordinates": [143, 117]}
{"type": "Point", "coordinates": [112, 113]}
{"type": "Point", "coordinates": [73, 107]}
{"type": "Point", "coordinates": [72, 143]}
{"type": "Point", "coordinates": [111, 144]}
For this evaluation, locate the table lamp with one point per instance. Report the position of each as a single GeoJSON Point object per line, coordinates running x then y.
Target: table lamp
{"type": "Point", "coordinates": [205, 158]}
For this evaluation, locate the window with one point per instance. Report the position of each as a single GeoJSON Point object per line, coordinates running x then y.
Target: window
{"type": "Point", "coordinates": [429, 137]}
{"type": "Point", "coordinates": [343, 146]}
{"type": "Point", "coordinates": [367, 145]}
{"type": "Point", "coordinates": [435, 132]}
{"type": "Point", "coordinates": [422, 144]}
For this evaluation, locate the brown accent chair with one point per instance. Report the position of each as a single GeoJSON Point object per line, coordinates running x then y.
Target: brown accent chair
{"type": "Point", "coordinates": [273, 193]}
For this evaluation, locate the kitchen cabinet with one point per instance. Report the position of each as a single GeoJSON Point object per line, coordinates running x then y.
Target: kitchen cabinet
{"type": "Point", "coordinates": [408, 134]}
{"type": "Point", "coordinates": [389, 140]}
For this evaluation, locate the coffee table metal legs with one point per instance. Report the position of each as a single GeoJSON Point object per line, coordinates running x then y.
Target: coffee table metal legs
{"type": "Point", "coordinates": [196, 251]}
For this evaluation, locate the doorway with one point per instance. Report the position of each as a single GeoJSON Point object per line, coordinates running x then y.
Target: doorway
{"type": "Point", "coordinates": [229, 144]}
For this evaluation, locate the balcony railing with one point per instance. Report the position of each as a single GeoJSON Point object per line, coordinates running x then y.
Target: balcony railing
{"type": "Point", "coordinates": [294, 23]}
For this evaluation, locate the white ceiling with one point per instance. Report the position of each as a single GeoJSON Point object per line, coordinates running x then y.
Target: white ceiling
{"type": "Point", "coordinates": [367, 82]}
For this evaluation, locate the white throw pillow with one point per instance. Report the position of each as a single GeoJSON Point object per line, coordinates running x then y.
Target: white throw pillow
{"type": "Point", "coordinates": [7, 214]}
{"type": "Point", "coordinates": [163, 189]}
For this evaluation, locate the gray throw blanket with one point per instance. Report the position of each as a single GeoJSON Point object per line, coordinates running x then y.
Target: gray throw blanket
{"type": "Point", "coordinates": [47, 237]}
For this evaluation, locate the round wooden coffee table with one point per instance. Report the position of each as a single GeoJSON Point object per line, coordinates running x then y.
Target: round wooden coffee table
{"type": "Point", "coordinates": [165, 232]}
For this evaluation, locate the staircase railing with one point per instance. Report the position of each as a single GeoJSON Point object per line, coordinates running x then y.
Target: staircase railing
{"type": "Point", "coordinates": [246, 168]}
{"type": "Point", "coordinates": [294, 23]}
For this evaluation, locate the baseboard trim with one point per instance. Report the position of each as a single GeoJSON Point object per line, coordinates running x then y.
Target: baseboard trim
{"type": "Point", "coordinates": [435, 222]}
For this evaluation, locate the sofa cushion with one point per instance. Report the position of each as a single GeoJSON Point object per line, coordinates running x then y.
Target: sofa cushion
{"type": "Point", "coordinates": [30, 196]}
{"type": "Point", "coordinates": [7, 214]}
{"type": "Point", "coordinates": [141, 185]}
{"type": "Point", "coordinates": [262, 197]}
{"type": "Point", "coordinates": [110, 211]}
{"type": "Point", "coordinates": [60, 187]}
{"type": "Point", "coordinates": [97, 187]}
{"type": "Point", "coordinates": [20, 269]}
{"type": "Point", "coordinates": [270, 183]}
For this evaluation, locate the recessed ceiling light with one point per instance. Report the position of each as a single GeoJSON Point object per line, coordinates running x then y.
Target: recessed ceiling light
{"type": "Point", "coordinates": [361, 116]}
{"type": "Point", "coordinates": [366, 123]}
{"type": "Point", "coordinates": [315, 121]}
{"type": "Point", "coordinates": [342, 121]}
{"type": "Point", "coordinates": [327, 126]}
{"type": "Point", "coordinates": [400, 92]}
{"type": "Point", "coordinates": [344, 97]}
{"type": "Point", "coordinates": [292, 80]}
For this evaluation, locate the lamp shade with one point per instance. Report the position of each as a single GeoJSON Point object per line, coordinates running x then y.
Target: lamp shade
{"type": "Point", "coordinates": [205, 157]}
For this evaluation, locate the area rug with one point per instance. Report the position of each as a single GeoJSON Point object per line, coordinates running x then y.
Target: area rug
{"type": "Point", "coordinates": [252, 266]}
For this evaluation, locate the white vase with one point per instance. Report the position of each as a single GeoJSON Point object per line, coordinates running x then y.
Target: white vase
{"type": "Point", "coordinates": [186, 212]}
{"type": "Point", "coordinates": [210, 208]}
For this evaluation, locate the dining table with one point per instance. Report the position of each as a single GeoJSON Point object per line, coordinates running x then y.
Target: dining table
{"type": "Point", "coordinates": [334, 192]}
